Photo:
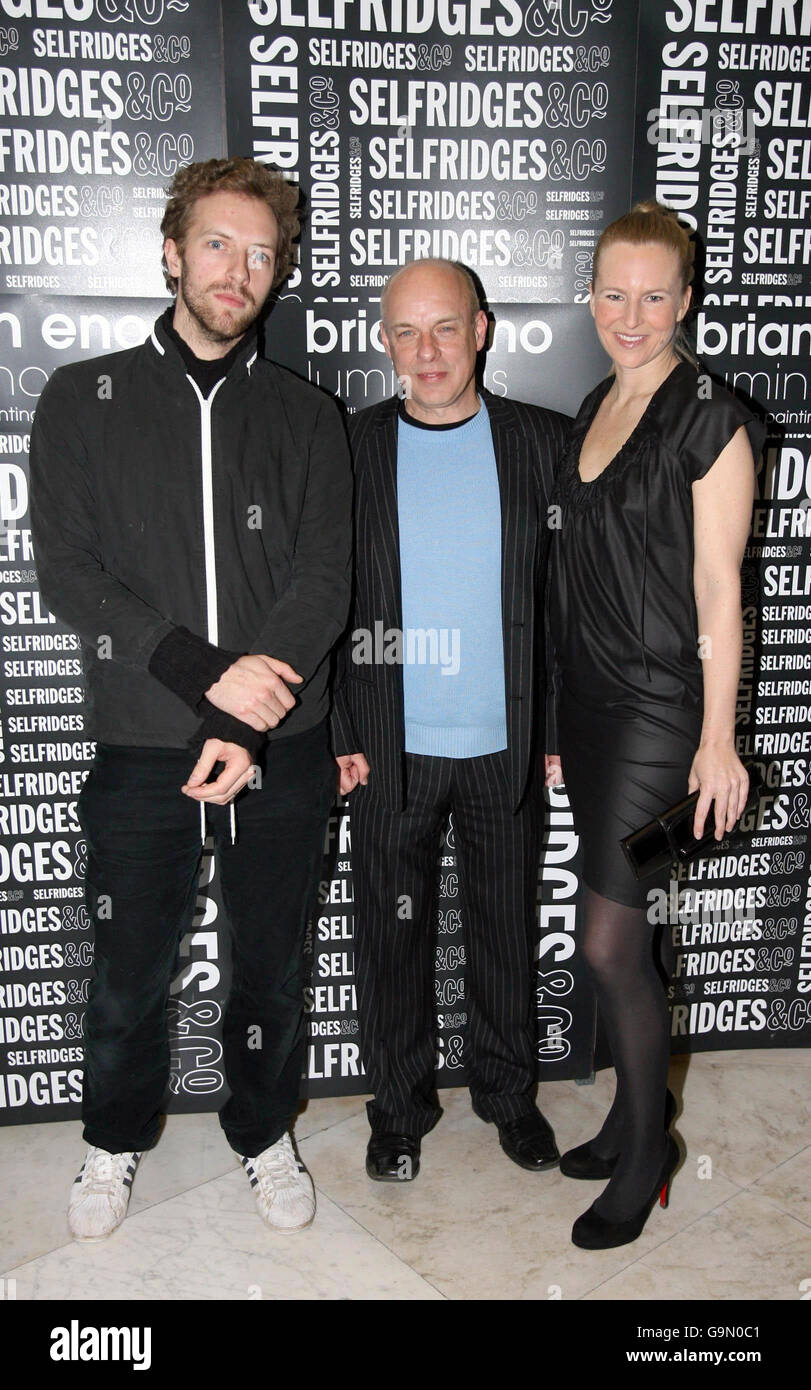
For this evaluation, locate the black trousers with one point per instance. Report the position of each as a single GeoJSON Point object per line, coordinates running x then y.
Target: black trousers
{"type": "Point", "coordinates": [143, 860]}
{"type": "Point", "coordinates": [395, 858]}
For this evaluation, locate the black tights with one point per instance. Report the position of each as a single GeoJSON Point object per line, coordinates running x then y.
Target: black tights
{"type": "Point", "coordinates": [618, 948]}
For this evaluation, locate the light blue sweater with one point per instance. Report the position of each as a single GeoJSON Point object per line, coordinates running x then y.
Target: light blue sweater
{"type": "Point", "coordinates": [450, 562]}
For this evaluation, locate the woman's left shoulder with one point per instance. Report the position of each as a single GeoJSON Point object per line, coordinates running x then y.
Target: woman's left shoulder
{"type": "Point", "coordinates": [696, 417]}
{"type": "Point", "coordinates": [689, 394]}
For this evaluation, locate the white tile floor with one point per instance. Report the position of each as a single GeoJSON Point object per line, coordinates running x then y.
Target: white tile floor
{"type": "Point", "coordinates": [472, 1226]}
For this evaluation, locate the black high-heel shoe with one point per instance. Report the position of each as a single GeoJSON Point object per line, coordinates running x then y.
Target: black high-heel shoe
{"type": "Point", "coordinates": [594, 1232]}
{"type": "Point", "coordinates": [583, 1162]}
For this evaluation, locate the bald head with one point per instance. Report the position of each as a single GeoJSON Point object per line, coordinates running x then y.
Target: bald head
{"type": "Point", "coordinates": [433, 330]}
{"type": "Point", "coordinates": [434, 268]}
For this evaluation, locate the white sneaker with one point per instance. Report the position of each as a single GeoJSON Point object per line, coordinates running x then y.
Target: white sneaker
{"type": "Point", "coordinates": [101, 1193]}
{"type": "Point", "coordinates": [282, 1186]}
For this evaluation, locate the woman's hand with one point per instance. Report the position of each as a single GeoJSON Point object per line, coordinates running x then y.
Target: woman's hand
{"type": "Point", "coordinates": [719, 776]}
{"type": "Point", "coordinates": [553, 772]}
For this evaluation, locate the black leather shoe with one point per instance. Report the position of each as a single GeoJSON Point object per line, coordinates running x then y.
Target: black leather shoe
{"type": "Point", "coordinates": [529, 1142]}
{"type": "Point", "coordinates": [393, 1157]}
{"type": "Point", "coordinates": [583, 1162]}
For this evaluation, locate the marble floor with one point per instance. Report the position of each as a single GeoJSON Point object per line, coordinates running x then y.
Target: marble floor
{"type": "Point", "coordinates": [472, 1226]}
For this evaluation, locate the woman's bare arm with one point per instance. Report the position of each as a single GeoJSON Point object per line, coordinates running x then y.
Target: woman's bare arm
{"type": "Point", "coordinates": [722, 507]}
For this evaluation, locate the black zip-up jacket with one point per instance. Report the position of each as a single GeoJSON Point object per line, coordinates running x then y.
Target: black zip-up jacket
{"type": "Point", "coordinates": [161, 518]}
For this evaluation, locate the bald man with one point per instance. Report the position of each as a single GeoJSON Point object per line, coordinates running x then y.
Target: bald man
{"type": "Point", "coordinates": [452, 486]}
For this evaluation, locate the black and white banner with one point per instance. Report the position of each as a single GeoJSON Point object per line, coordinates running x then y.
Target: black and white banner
{"type": "Point", "coordinates": [723, 117]}
{"type": "Point", "coordinates": [101, 102]}
{"type": "Point", "coordinates": [492, 133]}
{"type": "Point", "coordinates": [506, 135]}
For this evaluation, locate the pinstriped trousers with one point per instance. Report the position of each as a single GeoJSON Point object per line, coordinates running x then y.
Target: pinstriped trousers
{"type": "Point", "coordinates": [395, 858]}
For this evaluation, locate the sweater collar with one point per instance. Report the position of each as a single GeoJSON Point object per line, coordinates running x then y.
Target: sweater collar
{"type": "Point", "coordinates": [403, 415]}
{"type": "Point", "coordinates": [500, 409]}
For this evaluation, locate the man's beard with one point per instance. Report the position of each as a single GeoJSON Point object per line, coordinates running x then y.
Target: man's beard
{"type": "Point", "coordinates": [218, 326]}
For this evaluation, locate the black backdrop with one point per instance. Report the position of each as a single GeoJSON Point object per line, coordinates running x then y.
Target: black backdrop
{"type": "Point", "coordinates": [503, 133]}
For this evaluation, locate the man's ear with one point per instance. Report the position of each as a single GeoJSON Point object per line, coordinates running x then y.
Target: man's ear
{"type": "Point", "coordinates": [481, 326]}
{"type": "Point", "coordinates": [384, 335]}
{"type": "Point", "coordinates": [172, 256]}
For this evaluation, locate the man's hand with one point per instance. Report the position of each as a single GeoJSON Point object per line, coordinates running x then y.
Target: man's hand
{"type": "Point", "coordinates": [254, 690]}
{"type": "Point", "coordinates": [353, 768]}
{"type": "Point", "coordinates": [232, 779]}
{"type": "Point", "coordinates": [553, 772]}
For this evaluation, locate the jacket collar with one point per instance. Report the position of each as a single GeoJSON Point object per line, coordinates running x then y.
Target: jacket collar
{"type": "Point", "coordinates": [500, 409]}
{"type": "Point", "coordinates": [386, 413]}
{"type": "Point", "coordinates": [171, 359]}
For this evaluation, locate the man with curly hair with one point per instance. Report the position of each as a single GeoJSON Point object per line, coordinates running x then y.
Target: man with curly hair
{"type": "Point", "coordinates": [191, 516]}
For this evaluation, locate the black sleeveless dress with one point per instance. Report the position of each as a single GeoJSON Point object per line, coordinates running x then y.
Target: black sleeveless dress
{"type": "Point", "coordinates": [625, 664]}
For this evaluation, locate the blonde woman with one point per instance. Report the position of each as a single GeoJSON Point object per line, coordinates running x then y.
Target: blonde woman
{"type": "Point", "coordinates": [656, 494]}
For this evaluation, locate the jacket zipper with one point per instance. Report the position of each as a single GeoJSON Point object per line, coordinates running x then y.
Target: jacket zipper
{"type": "Point", "coordinates": [206, 465]}
{"type": "Point", "coordinates": [209, 554]}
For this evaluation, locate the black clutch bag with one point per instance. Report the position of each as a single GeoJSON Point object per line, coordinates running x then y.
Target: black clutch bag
{"type": "Point", "coordinates": [669, 837]}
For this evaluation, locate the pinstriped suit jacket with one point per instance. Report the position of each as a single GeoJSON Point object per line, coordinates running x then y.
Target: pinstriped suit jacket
{"type": "Point", "coordinates": [367, 714]}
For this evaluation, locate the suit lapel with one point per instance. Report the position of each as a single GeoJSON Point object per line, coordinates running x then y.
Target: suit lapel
{"type": "Point", "coordinates": [385, 532]}
{"type": "Point", "coordinates": [518, 515]}
{"type": "Point", "coordinates": [519, 534]}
